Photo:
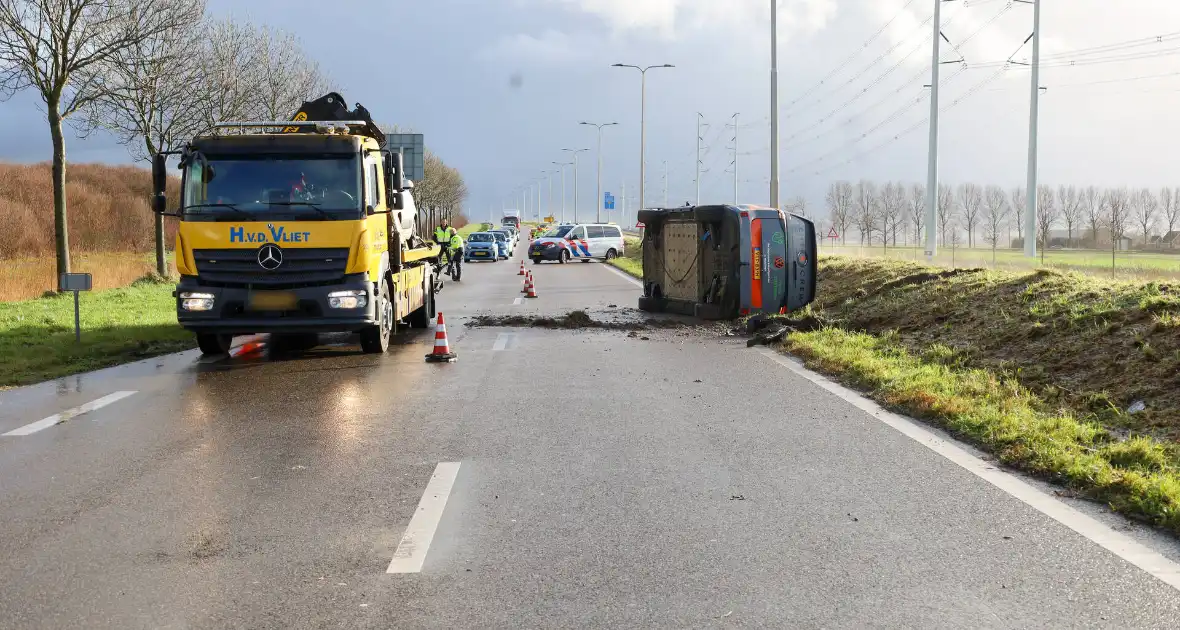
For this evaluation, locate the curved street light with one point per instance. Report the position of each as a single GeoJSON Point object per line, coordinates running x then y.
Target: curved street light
{"type": "Point", "coordinates": [642, 123]}
{"type": "Point", "coordinates": [601, 201]}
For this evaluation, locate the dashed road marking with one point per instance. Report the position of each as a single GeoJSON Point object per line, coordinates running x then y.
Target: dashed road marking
{"type": "Point", "coordinates": [504, 341]}
{"type": "Point", "coordinates": [415, 542]}
{"type": "Point", "coordinates": [68, 414]}
{"type": "Point", "coordinates": [1109, 539]}
{"type": "Point", "coordinates": [518, 301]}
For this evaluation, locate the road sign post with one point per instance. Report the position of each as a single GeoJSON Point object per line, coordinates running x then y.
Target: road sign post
{"type": "Point", "coordinates": [76, 282]}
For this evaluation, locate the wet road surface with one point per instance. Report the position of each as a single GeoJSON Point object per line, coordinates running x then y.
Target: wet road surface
{"type": "Point", "coordinates": [562, 479]}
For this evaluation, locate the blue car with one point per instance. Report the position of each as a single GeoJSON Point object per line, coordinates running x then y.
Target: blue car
{"type": "Point", "coordinates": [502, 244]}
{"type": "Point", "coordinates": [481, 246]}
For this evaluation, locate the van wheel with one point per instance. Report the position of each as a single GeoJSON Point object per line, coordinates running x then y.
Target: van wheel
{"type": "Point", "coordinates": [213, 343]}
{"type": "Point", "coordinates": [565, 256]}
{"type": "Point", "coordinates": [611, 254]}
{"type": "Point", "coordinates": [375, 338]}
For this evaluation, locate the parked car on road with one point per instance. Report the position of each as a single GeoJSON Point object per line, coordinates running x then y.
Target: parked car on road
{"type": "Point", "coordinates": [502, 243]}
{"type": "Point", "coordinates": [481, 246]}
{"type": "Point", "coordinates": [582, 241]}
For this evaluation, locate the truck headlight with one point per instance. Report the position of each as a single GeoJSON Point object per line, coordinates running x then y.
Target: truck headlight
{"type": "Point", "coordinates": [190, 301]}
{"type": "Point", "coordinates": [348, 299]}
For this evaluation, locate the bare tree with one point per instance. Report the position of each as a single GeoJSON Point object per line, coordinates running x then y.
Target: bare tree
{"type": "Point", "coordinates": [230, 59]}
{"type": "Point", "coordinates": [63, 49]}
{"type": "Point", "coordinates": [1145, 206]}
{"type": "Point", "coordinates": [150, 105]}
{"type": "Point", "coordinates": [1117, 219]}
{"type": "Point", "coordinates": [1071, 209]}
{"type": "Point", "coordinates": [287, 76]}
{"type": "Point", "coordinates": [1170, 204]}
{"type": "Point", "coordinates": [994, 217]}
{"type": "Point", "coordinates": [892, 210]}
{"type": "Point", "coordinates": [917, 210]}
{"type": "Point", "coordinates": [945, 210]}
{"type": "Point", "coordinates": [866, 206]}
{"type": "Point", "coordinates": [1019, 208]}
{"type": "Point", "coordinates": [1092, 202]}
{"type": "Point", "coordinates": [971, 201]}
{"type": "Point", "coordinates": [839, 200]}
{"type": "Point", "coordinates": [1047, 215]}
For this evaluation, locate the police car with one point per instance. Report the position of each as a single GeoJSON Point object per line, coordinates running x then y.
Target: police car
{"type": "Point", "coordinates": [582, 241]}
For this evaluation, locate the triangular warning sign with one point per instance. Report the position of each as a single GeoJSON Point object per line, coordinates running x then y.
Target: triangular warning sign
{"type": "Point", "coordinates": [832, 233]}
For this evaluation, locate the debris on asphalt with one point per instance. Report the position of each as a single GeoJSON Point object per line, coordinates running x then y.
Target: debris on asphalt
{"type": "Point", "coordinates": [1137, 407]}
{"type": "Point", "coordinates": [698, 381]}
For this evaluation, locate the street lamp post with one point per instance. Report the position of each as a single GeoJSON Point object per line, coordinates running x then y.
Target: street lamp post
{"type": "Point", "coordinates": [575, 153]}
{"type": "Point", "coordinates": [563, 165]}
{"type": "Point", "coordinates": [598, 213]}
{"type": "Point", "coordinates": [642, 123]}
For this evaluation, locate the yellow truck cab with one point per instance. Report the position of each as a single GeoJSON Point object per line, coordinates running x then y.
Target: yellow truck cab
{"type": "Point", "coordinates": [297, 228]}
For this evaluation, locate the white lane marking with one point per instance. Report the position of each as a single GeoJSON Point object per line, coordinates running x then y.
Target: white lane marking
{"type": "Point", "coordinates": [503, 341]}
{"type": "Point", "coordinates": [624, 275]}
{"type": "Point", "coordinates": [518, 301]}
{"type": "Point", "coordinates": [411, 551]}
{"type": "Point", "coordinates": [1113, 541]}
{"type": "Point", "coordinates": [68, 414]}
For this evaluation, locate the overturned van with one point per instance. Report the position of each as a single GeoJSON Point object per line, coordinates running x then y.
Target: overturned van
{"type": "Point", "coordinates": [723, 262]}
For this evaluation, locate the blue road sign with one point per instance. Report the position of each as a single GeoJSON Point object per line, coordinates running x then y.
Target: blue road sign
{"type": "Point", "coordinates": [608, 201]}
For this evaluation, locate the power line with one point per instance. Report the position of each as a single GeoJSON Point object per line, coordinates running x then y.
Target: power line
{"type": "Point", "coordinates": [917, 125]}
{"type": "Point", "coordinates": [850, 58]}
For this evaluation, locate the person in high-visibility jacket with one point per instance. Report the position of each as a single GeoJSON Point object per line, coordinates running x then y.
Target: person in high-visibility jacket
{"type": "Point", "coordinates": [443, 235]}
{"type": "Point", "coordinates": [455, 247]}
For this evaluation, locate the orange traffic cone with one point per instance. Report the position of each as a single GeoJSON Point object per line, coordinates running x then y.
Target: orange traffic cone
{"type": "Point", "coordinates": [532, 292]}
{"type": "Point", "coordinates": [521, 272]}
{"type": "Point", "coordinates": [442, 350]}
{"type": "Point", "coordinates": [527, 276]}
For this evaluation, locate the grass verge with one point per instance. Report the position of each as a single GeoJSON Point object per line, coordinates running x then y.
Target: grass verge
{"type": "Point", "coordinates": [118, 326]}
{"type": "Point", "coordinates": [632, 260]}
{"type": "Point", "coordinates": [1136, 476]}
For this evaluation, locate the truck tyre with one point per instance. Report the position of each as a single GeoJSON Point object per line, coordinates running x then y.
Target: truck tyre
{"type": "Point", "coordinates": [424, 316]}
{"type": "Point", "coordinates": [213, 343]}
{"type": "Point", "coordinates": [375, 339]}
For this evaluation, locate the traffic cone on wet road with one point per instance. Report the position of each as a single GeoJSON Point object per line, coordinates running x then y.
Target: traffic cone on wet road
{"type": "Point", "coordinates": [442, 349]}
{"type": "Point", "coordinates": [521, 273]}
{"type": "Point", "coordinates": [532, 290]}
{"type": "Point", "coordinates": [527, 277]}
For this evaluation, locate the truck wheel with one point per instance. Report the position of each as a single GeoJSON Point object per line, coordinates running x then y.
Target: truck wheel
{"type": "Point", "coordinates": [212, 343]}
{"type": "Point", "coordinates": [424, 316]}
{"type": "Point", "coordinates": [375, 339]}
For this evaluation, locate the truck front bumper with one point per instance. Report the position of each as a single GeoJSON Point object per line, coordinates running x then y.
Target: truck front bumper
{"type": "Point", "coordinates": [232, 313]}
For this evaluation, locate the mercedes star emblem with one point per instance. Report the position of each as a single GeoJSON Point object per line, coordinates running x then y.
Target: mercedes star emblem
{"type": "Point", "coordinates": [270, 257]}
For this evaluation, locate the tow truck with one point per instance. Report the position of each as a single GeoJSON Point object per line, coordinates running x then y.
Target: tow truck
{"type": "Point", "coordinates": [296, 228]}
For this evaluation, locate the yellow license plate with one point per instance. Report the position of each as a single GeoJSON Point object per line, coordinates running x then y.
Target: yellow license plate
{"type": "Point", "coordinates": [272, 301]}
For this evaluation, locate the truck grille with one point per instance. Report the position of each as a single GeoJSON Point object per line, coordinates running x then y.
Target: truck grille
{"type": "Point", "coordinates": [300, 267]}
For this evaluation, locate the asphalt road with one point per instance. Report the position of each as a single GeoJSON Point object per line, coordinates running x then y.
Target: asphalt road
{"type": "Point", "coordinates": [546, 479]}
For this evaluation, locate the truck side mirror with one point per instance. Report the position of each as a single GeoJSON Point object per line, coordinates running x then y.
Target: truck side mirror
{"type": "Point", "coordinates": [159, 183]}
{"type": "Point", "coordinates": [397, 168]}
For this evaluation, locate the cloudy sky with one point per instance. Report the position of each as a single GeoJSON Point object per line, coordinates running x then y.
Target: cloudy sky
{"type": "Point", "coordinates": [498, 87]}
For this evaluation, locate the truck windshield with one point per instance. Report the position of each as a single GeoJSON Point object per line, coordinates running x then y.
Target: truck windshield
{"type": "Point", "coordinates": [271, 187]}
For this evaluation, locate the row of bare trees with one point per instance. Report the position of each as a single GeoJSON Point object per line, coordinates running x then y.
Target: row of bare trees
{"type": "Point", "coordinates": [1091, 216]}
{"type": "Point", "coordinates": [154, 73]}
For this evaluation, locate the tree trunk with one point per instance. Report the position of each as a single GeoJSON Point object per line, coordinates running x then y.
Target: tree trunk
{"type": "Point", "coordinates": [161, 262]}
{"type": "Point", "coordinates": [61, 229]}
